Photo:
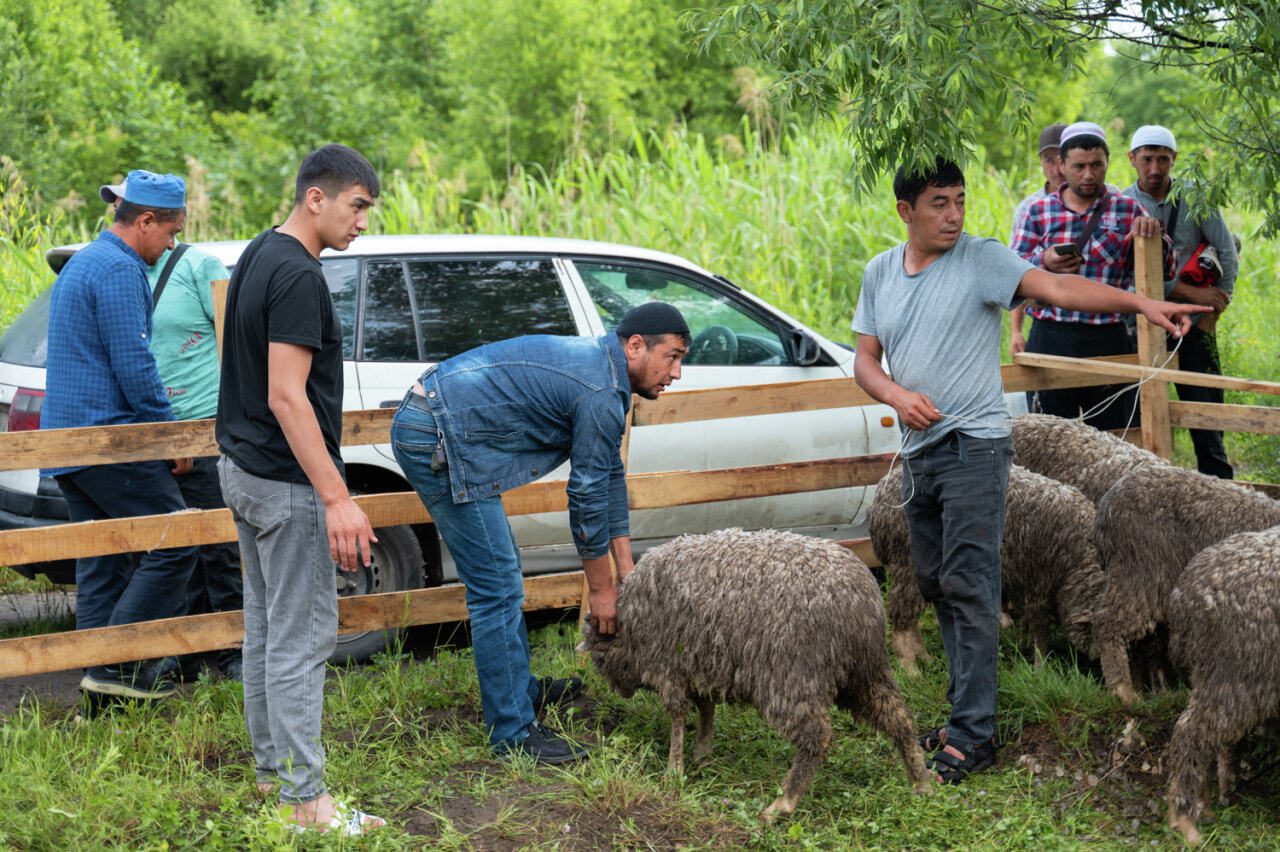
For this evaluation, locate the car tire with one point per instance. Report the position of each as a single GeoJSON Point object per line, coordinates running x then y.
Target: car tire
{"type": "Point", "coordinates": [395, 565]}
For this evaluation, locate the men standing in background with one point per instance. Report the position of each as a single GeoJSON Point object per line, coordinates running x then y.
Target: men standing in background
{"type": "Point", "coordinates": [186, 352]}
{"type": "Point", "coordinates": [1051, 167]}
{"type": "Point", "coordinates": [1152, 153]}
{"type": "Point", "coordinates": [1084, 229]}
{"type": "Point", "coordinates": [279, 429]}
{"type": "Point", "coordinates": [101, 372]}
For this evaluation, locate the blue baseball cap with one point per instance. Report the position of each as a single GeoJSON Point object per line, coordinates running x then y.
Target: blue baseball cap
{"type": "Point", "coordinates": [149, 189]}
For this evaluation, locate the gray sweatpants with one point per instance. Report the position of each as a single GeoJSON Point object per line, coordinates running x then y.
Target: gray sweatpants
{"type": "Point", "coordinates": [290, 625]}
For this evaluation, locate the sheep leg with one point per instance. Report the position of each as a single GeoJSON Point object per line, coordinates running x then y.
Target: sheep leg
{"type": "Point", "coordinates": [1115, 668]}
{"type": "Point", "coordinates": [809, 730]}
{"type": "Point", "coordinates": [706, 721]}
{"type": "Point", "coordinates": [885, 709]}
{"type": "Point", "coordinates": [908, 646]}
{"type": "Point", "coordinates": [1226, 776]}
{"type": "Point", "coordinates": [1200, 734]}
{"type": "Point", "coordinates": [677, 708]}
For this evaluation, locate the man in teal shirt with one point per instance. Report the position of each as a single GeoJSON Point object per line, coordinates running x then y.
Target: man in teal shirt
{"type": "Point", "coordinates": [186, 351]}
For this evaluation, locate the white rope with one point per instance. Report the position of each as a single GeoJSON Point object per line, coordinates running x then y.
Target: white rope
{"type": "Point", "coordinates": [1008, 421]}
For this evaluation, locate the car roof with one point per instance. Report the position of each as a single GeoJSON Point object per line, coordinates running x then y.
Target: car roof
{"type": "Point", "coordinates": [228, 251]}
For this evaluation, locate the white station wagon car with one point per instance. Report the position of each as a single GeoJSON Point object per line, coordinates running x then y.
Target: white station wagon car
{"type": "Point", "coordinates": [409, 301]}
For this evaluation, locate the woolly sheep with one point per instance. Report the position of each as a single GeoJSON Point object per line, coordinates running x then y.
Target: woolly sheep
{"type": "Point", "coordinates": [783, 622]}
{"type": "Point", "coordinates": [1049, 565]}
{"type": "Point", "coordinates": [1149, 526]}
{"type": "Point", "coordinates": [1073, 452]}
{"type": "Point", "coordinates": [1224, 630]}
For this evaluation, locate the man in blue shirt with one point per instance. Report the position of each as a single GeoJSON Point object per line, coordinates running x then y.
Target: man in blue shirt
{"type": "Point", "coordinates": [101, 371]}
{"type": "Point", "coordinates": [501, 416]}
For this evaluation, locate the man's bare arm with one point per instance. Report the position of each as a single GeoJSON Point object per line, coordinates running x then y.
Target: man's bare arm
{"type": "Point", "coordinates": [914, 409]}
{"type": "Point", "coordinates": [349, 530]}
{"type": "Point", "coordinates": [1080, 294]}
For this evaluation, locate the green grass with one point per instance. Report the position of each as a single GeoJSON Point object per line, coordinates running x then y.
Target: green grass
{"type": "Point", "coordinates": [404, 740]}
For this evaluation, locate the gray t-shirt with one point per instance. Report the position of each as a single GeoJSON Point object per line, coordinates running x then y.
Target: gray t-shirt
{"type": "Point", "coordinates": [940, 329]}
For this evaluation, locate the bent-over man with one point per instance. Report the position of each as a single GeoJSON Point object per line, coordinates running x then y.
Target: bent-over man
{"type": "Point", "coordinates": [498, 417]}
{"type": "Point", "coordinates": [933, 306]}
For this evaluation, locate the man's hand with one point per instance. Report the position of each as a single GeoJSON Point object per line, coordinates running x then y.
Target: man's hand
{"type": "Point", "coordinates": [603, 614]}
{"type": "Point", "coordinates": [1063, 264]}
{"type": "Point", "coordinates": [1145, 226]}
{"type": "Point", "coordinates": [349, 534]}
{"type": "Point", "coordinates": [1017, 343]}
{"type": "Point", "coordinates": [1214, 298]}
{"type": "Point", "coordinates": [1170, 316]}
{"type": "Point", "coordinates": [181, 467]}
{"type": "Point", "coordinates": [916, 410]}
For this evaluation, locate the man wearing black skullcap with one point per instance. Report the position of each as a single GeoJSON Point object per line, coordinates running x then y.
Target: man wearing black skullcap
{"type": "Point", "coordinates": [501, 416]}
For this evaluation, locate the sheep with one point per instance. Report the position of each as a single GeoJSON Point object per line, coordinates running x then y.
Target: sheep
{"type": "Point", "coordinates": [1073, 452]}
{"type": "Point", "coordinates": [1224, 631]}
{"type": "Point", "coordinates": [780, 621]}
{"type": "Point", "coordinates": [1149, 526]}
{"type": "Point", "coordinates": [1049, 565]}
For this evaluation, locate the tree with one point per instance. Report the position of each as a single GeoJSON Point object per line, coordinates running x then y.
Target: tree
{"type": "Point", "coordinates": [917, 77]}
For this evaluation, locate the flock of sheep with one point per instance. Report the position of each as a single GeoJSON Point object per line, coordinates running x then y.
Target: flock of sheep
{"type": "Point", "coordinates": [1105, 539]}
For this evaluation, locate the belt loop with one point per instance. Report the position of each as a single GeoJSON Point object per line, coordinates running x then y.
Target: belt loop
{"type": "Point", "coordinates": [964, 455]}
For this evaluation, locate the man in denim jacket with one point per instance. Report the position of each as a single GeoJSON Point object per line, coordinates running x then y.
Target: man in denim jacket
{"type": "Point", "coordinates": [498, 417]}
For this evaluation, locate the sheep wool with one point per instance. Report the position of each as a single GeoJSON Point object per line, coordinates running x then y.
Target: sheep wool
{"type": "Point", "coordinates": [1224, 630]}
{"type": "Point", "coordinates": [1073, 452]}
{"type": "Point", "coordinates": [1150, 524]}
{"type": "Point", "coordinates": [786, 623]}
{"type": "Point", "coordinates": [1048, 562]}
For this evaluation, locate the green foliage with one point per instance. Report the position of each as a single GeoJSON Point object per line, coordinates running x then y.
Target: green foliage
{"type": "Point", "coordinates": [919, 78]}
{"type": "Point", "coordinates": [80, 104]}
{"type": "Point", "coordinates": [217, 50]}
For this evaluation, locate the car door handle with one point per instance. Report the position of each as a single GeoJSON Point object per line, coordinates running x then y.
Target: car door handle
{"type": "Point", "coordinates": [389, 403]}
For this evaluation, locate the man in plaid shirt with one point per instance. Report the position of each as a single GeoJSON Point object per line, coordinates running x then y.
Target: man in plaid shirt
{"type": "Point", "coordinates": [1046, 237]}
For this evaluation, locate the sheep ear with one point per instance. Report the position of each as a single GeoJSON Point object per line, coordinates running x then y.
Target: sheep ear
{"type": "Point", "coordinates": [582, 647]}
{"type": "Point", "coordinates": [1084, 619]}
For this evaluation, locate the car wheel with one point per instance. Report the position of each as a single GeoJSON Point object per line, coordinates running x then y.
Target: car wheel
{"type": "Point", "coordinates": [395, 565]}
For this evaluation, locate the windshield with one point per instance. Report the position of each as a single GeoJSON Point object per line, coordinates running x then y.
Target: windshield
{"type": "Point", "coordinates": [26, 342]}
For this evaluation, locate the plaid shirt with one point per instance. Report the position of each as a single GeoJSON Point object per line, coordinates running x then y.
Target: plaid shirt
{"type": "Point", "coordinates": [100, 367]}
{"type": "Point", "coordinates": [1108, 256]}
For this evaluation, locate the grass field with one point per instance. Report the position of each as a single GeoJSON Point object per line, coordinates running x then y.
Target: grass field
{"type": "Point", "coordinates": [405, 740]}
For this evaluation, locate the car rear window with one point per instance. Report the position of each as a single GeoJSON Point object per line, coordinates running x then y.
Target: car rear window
{"type": "Point", "coordinates": [430, 310]}
{"type": "Point", "coordinates": [26, 342]}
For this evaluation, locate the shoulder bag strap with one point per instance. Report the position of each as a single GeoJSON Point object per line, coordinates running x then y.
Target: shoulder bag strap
{"type": "Point", "coordinates": [1172, 224]}
{"type": "Point", "coordinates": [1092, 224]}
{"type": "Point", "coordinates": [166, 272]}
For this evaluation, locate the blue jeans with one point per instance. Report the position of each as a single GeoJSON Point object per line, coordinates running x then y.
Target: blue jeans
{"type": "Point", "coordinates": [109, 590]}
{"type": "Point", "coordinates": [956, 518]}
{"type": "Point", "coordinates": [479, 538]}
{"type": "Point", "coordinates": [290, 625]}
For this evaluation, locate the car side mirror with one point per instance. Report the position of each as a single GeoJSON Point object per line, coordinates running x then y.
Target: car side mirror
{"type": "Point", "coordinates": [805, 351]}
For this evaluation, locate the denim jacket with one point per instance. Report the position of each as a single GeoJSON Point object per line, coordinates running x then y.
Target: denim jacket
{"type": "Point", "coordinates": [511, 411]}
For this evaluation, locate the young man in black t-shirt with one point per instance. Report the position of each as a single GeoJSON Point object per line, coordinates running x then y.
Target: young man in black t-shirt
{"type": "Point", "coordinates": [279, 427]}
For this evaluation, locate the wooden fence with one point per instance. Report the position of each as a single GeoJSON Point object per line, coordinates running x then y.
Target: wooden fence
{"type": "Point", "coordinates": [189, 634]}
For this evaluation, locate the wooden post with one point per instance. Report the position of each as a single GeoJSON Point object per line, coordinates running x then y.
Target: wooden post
{"type": "Point", "coordinates": [219, 310]}
{"type": "Point", "coordinates": [1153, 396]}
{"type": "Point", "coordinates": [613, 568]}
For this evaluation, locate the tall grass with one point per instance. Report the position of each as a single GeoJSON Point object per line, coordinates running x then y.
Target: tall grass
{"type": "Point", "coordinates": [778, 220]}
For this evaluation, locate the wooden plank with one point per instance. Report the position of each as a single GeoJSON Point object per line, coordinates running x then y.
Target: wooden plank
{"type": "Point", "coordinates": [197, 633]}
{"type": "Point", "coordinates": [862, 549]}
{"type": "Point", "coordinates": [1020, 377]}
{"type": "Point", "coordinates": [219, 289]}
{"type": "Point", "coordinates": [1226, 417]}
{"type": "Point", "coordinates": [1153, 394]}
{"type": "Point", "coordinates": [653, 491]}
{"type": "Point", "coordinates": [195, 527]}
{"type": "Point", "coordinates": [749, 400]}
{"type": "Point", "coordinates": [87, 445]}
{"type": "Point", "coordinates": [1113, 370]}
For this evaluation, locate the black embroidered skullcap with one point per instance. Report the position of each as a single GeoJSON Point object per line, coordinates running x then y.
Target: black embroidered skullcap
{"type": "Point", "coordinates": [652, 318]}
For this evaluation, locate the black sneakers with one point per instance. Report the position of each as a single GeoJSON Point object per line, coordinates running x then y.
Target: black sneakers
{"type": "Point", "coordinates": [126, 680]}
{"type": "Point", "coordinates": [546, 747]}
{"type": "Point", "coordinates": [556, 692]}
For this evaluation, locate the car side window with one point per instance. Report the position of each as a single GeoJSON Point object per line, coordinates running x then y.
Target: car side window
{"type": "Point", "coordinates": [389, 332]}
{"type": "Point", "coordinates": [725, 332]}
{"type": "Point", "coordinates": [463, 303]}
{"type": "Point", "coordinates": [342, 274]}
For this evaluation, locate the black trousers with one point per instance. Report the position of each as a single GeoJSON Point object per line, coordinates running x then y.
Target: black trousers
{"type": "Point", "coordinates": [1199, 354]}
{"type": "Point", "coordinates": [1082, 340]}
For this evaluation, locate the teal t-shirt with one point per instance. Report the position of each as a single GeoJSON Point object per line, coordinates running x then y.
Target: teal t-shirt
{"type": "Point", "coordinates": [182, 337]}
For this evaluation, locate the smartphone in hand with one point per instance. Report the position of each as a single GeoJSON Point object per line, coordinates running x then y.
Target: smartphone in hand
{"type": "Point", "coordinates": [1067, 250]}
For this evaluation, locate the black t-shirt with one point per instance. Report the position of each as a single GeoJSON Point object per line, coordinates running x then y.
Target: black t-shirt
{"type": "Point", "coordinates": [277, 295]}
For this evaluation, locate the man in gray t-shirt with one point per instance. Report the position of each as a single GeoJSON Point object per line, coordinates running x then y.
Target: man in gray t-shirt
{"type": "Point", "coordinates": [932, 308]}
